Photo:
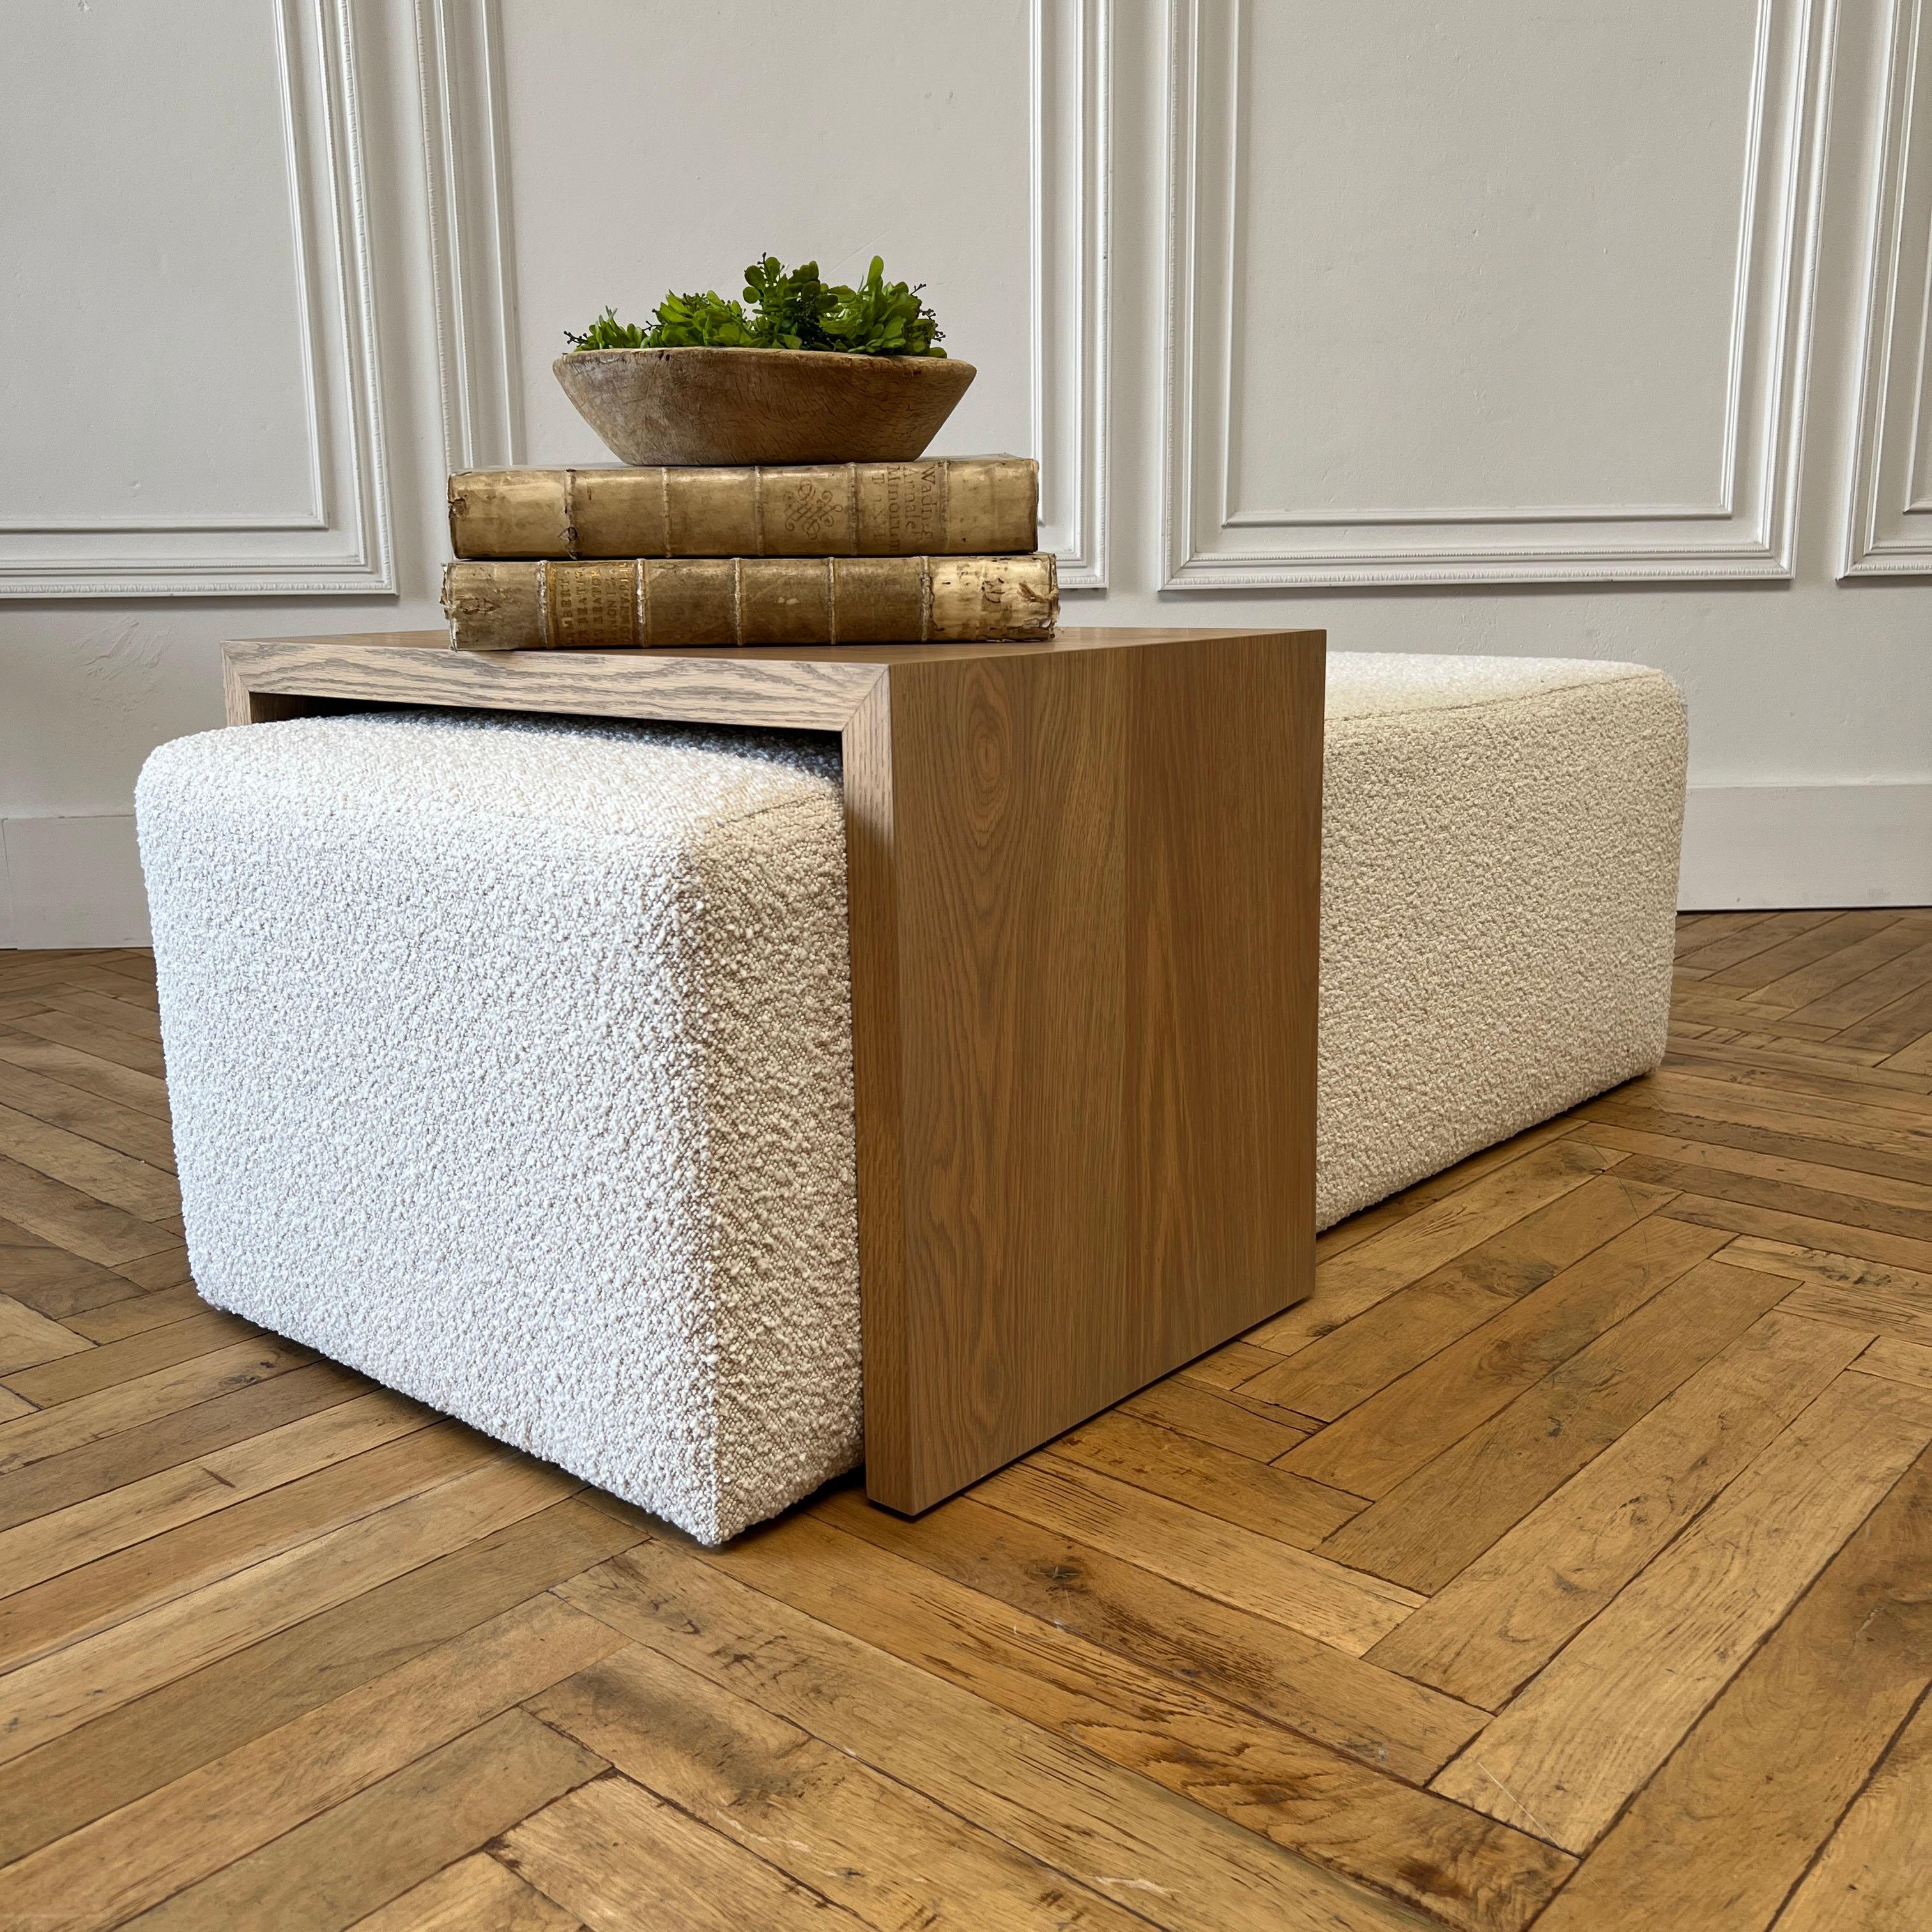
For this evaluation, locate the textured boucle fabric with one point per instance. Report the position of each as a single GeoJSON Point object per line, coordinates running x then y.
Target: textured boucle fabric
{"type": "Point", "coordinates": [1499, 881]}
{"type": "Point", "coordinates": [511, 1061]}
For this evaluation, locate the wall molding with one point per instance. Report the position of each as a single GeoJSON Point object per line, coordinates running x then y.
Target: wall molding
{"type": "Point", "coordinates": [341, 543]}
{"type": "Point", "coordinates": [466, 171]}
{"type": "Point", "coordinates": [1746, 533]}
{"type": "Point", "coordinates": [1887, 527]}
{"type": "Point", "coordinates": [1794, 846]}
{"type": "Point", "coordinates": [1071, 118]}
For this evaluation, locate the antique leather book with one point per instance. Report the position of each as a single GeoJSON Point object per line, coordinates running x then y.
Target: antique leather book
{"type": "Point", "coordinates": [601, 604]}
{"type": "Point", "coordinates": [939, 506]}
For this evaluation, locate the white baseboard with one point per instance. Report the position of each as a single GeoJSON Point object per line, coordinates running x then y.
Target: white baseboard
{"type": "Point", "coordinates": [1753, 846]}
{"type": "Point", "coordinates": [71, 882]}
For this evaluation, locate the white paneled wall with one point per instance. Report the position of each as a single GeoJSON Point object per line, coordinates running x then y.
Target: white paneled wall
{"type": "Point", "coordinates": [1556, 266]}
{"type": "Point", "coordinates": [193, 396]}
{"type": "Point", "coordinates": [1595, 329]}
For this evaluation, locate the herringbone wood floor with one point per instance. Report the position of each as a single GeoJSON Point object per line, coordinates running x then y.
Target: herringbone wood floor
{"type": "Point", "coordinates": [1568, 1560]}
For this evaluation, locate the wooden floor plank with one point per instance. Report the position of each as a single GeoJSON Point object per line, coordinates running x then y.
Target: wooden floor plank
{"type": "Point", "coordinates": [1825, 1268]}
{"type": "Point", "coordinates": [1227, 1366]}
{"type": "Point", "coordinates": [147, 1570]}
{"type": "Point", "coordinates": [109, 1410]}
{"type": "Point", "coordinates": [1359, 1227]}
{"type": "Point", "coordinates": [60, 1285]}
{"type": "Point", "coordinates": [136, 1315]}
{"type": "Point", "coordinates": [1307, 1800]}
{"type": "Point", "coordinates": [1834, 990]}
{"type": "Point", "coordinates": [1893, 1028]}
{"type": "Point", "coordinates": [166, 1268]}
{"type": "Point", "coordinates": [1787, 1196]}
{"type": "Point", "coordinates": [60, 1691]}
{"type": "Point", "coordinates": [1404, 1426]}
{"type": "Point", "coordinates": [1279, 1674]}
{"type": "Point", "coordinates": [330, 1871]}
{"type": "Point", "coordinates": [1870, 1316]}
{"type": "Point", "coordinates": [475, 1895]}
{"type": "Point", "coordinates": [44, 984]}
{"type": "Point", "coordinates": [1569, 1753]}
{"type": "Point", "coordinates": [888, 1855]}
{"type": "Point", "coordinates": [1852, 1001]}
{"type": "Point", "coordinates": [1901, 1361]}
{"type": "Point", "coordinates": [88, 1370]}
{"type": "Point", "coordinates": [1345, 1367]}
{"type": "Point", "coordinates": [1897, 1097]}
{"type": "Point", "coordinates": [1216, 1482]}
{"type": "Point", "coordinates": [1850, 1062]}
{"type": "Point", "coordinates": [1753, 938]}
{"type": "Point", "coordinates": [1484, 1635]}
{"type": "Point", "coordinates": [1343, 1235]}
{"type": "Point", "coordinates": [1699, 928]}
{"type": "Point", "coordinates": [122, 1755]}
{"type": "Point", "coordinates": [61, 1541]}
{"type": "Point", "coordinates": [1423, 1242]}
{"type": "Point", "coordinates": [134, 1857]}
{"type": "Point", "coordinates": [1772, 1167]}
{"type": "Point", "coordinates": [1216, 1558]}
{"type": "Point", "coordinates": [1698, 1002]}
{"type": "Point", "coordinates": [1250, 1428]}
{"type": "Point", "coordinates": [1437, 1522]}
{"type": "Point", "coordinates": [1760, 1123]}
{"type": "Point", "coordinates": [118, 1015]}
{"type": "Point", "coordinates": [1772, 1224]}
{"type": "Point", "coordinates": [75, 1110]}
{"type": "Point", "coordinates": [617, 1857]}
{"type": "Point", "coordinates": [75, 1220]}
{"type": "Point", "coordinates": [150, 1192]}
{"type": "Point", "coordinates": [1871, 1877]}
{"type": "Point", "coordinates": [125, 1455]}
{"type": "Point", "coordinates": [141, 1093]}
{"type": "Point", "coordinates": [1047, 1794]}
{"type": "Point", "coordinates": [1766, 974]}
{"type": "Point", "coordinates": [1799, 1728]}
{"type": "Point", "coordinates": [86, 1035]}
{"type": "Point", "coordinates": [1871, 1122]}
{"type": "Point", "coordinates": [28, 1338]}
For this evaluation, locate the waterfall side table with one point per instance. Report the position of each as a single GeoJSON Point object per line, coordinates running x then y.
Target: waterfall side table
{"type": "Point", "coordinates": [1083, 882]}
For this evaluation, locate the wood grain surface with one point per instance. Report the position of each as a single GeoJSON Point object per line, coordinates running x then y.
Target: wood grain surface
{"type": "Point", "coordinates": [278, 1648]}
{"type": "Point", "coordinates": [711, 406]}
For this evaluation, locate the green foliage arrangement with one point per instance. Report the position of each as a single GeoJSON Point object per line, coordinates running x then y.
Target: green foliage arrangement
{"type": "Point", "coordinates": [782, 308]}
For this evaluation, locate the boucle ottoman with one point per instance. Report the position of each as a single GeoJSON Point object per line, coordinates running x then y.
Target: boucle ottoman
{"type": "Point", "coordinates": [1498, 888]}
{"type": "Point", "coordinates": [511, 1062]}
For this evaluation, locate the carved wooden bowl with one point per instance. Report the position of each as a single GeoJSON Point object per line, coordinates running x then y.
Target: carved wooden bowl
{"type": "Point", "coordinates": [653, 406]}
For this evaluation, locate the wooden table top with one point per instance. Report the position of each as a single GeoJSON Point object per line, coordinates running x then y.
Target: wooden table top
{"type": "Point", "coordinates": [813, 687]}
{"type": "Point", "coordinates": [1068, 637]}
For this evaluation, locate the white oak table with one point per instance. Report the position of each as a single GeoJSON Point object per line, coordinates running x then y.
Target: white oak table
{"type": "Point", "coordinates": [1085, 892]}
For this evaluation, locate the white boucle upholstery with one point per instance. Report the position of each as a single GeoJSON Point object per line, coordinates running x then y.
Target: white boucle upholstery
{"type": "Point", "coordinates": [512, 1064]}
{"type": "Point", "coordinates": [512, 1057]}
{"type": "Point", "coordinates": [1499, 881]}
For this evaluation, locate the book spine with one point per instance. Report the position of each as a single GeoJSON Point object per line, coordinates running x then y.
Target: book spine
{"type": "Point", "coordinates": [941, 506]}
{"type": "Point", "coordinates": [686, 602]}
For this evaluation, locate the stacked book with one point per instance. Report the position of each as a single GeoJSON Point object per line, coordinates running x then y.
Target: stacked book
{"type": "Point", "coordinates": [940, 550]}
